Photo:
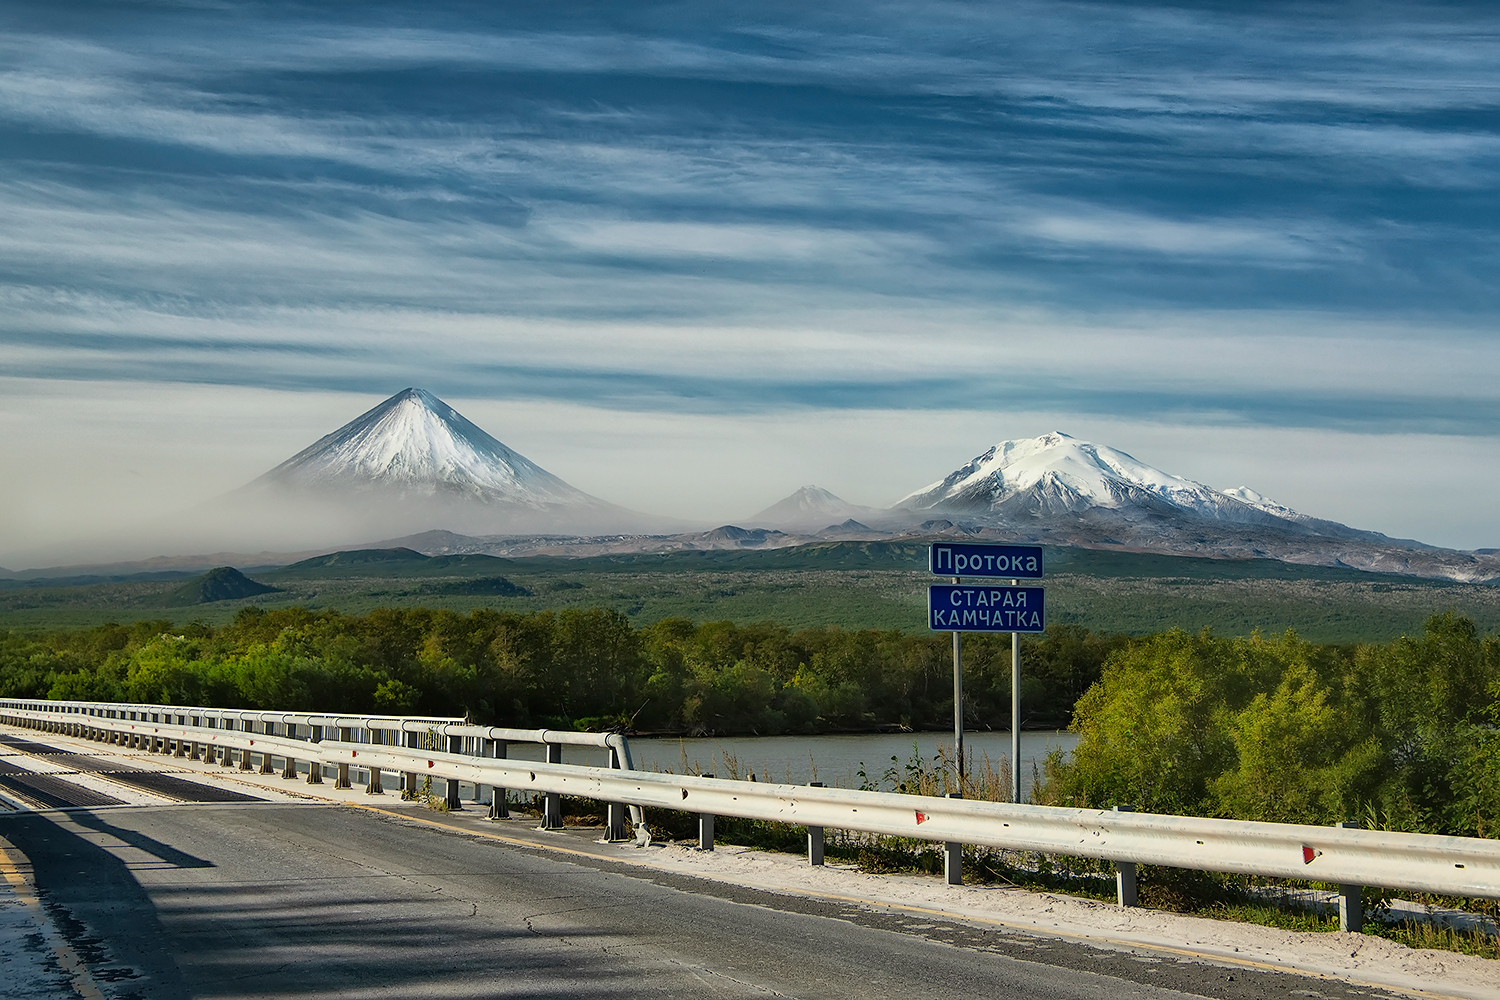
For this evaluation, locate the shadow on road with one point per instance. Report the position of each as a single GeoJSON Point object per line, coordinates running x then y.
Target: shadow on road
{"type": "Point", "coordinates": [93, 897]}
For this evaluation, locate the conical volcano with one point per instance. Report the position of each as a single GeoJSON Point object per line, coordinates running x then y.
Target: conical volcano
{"type": "Point", "coordinates": [415, 446]}
{"type": "Point", "coordinates": [412, 464]}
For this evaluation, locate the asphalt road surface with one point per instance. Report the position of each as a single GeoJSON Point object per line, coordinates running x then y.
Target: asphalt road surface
{"type": "Point", "coordinates": [263, 900]}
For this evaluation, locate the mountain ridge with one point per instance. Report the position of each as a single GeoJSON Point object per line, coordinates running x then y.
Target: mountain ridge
{"type": "Point", "coordinates": [415, 472]}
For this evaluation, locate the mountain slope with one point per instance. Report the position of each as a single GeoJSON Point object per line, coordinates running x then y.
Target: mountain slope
{"type": "Point", "coordinates": [1058, 489]}
{"type": "Point", "coordinates": [413, 463]}
{"type": "Point", "coordinates": [224, 583]}
{"type": "Point", "coordinates": [810, 509]}
{"type": "Point", "coordinates": [1057, 474]}
{"type": "Point", "coordinates": [417, 445]}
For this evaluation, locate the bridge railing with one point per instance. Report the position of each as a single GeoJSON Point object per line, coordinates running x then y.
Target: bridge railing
{"type": "Point", "coordinates": [1350, 858]}
{"type": "Point", "coordinates": [374, 744]}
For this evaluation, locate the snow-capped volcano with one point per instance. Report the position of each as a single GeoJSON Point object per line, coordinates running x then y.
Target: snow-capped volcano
{"type": "Point", "coordinates": [415, 464]}
{"type": "Point", "coordinates": [1057, 473]}
{"type": "Point", "coordinates": [810, 509]}
{"type": "Point", "coordinates": [1071, 492]}
{"type": "Point", "coordinates": [418, 446]}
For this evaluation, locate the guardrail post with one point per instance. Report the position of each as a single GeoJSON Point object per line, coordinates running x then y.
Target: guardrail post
{"type": "Point", "coordinates": [345, 736]}
{"type": "Point", "coordinates": [267, 729]}
{"type": "Point", "coordinates": [377, 738]}
{"type": "Point", "coordinates": [705, 827]}
{"type": "Point", "coordinates": [248, 727]}
{"type": "Point", "coordinates": [1351, 899]}
{"type": "Point", "coordinates": [953, 855]}
{"type": "Point", "coordinates": [1125, 888]}
{"type": "Point", "coordinates": [478, 745]}
{"type": "Point", "coordinates": [409, 778]}
{"type": "Point", "coordinates": [498, 807]}
{"type": "Point", "coordinates": [289, 766]}
{"type": "Point", "coordinates": [455, 745]}
{"type": "Point", "coordinates": [314, 768]}
{"type": "Point", "coordinates": [178, 749]}
{"type": "Point", "coordinates": [614, 820]}
{"type": "Point", "coordinates": [815, 837]}
{"type": "Point", "coordinates": [552, 802]}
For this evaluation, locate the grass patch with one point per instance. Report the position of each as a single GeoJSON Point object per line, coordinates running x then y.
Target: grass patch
{"type": "Point", "coordinates": [1415, 934]}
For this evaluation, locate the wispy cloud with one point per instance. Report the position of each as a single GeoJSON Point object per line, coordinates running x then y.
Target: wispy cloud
{"type": "Point", "coordinates": [1275, 216]}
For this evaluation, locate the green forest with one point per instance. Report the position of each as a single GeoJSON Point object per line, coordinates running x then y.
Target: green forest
{"type": "Point", "coordinates": [568, 669]}
{"type": "Point", "coordinates": [1399, 735]}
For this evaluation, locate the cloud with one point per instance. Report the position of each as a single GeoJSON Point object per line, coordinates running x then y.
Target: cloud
{"type": "Point", "coordinates": [1276, 217]}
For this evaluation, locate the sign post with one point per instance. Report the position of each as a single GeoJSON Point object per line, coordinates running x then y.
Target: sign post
{"type": "Point", "coordinates": [960, 608]}
{"type": "Point", "coordinates": [958, 698]}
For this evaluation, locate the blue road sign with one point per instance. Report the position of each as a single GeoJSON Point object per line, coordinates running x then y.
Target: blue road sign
{"type": "Point", "coordinates": [963, 607]}
{"type": "Point", "coordinates": [965, 559]}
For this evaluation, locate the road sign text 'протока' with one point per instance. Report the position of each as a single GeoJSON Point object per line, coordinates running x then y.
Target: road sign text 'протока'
{"type": "Point", "coordinates": [958, 559]}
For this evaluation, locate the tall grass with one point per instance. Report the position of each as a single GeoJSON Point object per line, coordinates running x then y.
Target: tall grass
{"type": "Point", "coordinates": [1439, 937]}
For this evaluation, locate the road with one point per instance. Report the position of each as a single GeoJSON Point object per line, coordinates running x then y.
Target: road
{"type": "Point", "coordinates": [267, 900]}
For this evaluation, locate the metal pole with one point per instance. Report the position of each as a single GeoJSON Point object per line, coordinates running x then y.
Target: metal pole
{"type": "Point", "coordinates": [498, 809]}
{"type": "Point", "coordinates": [1126, 892]}
{"type": "Point", "coordinates": [552, 801]}
{"type": "Point", "coordinates": [953, 855]}
{"type": "Point", "coordinates": [815, 838]}
{"type": "Point", "coordinates": [706, 828]}
{"type": "Point", "coordinates": [1351, 899]}
{"type": "Point", "coordinates": [1016, 717]}
{"type": "Point", "coordinates": [958, 699]}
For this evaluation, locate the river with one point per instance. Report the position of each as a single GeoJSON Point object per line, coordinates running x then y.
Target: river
{"type": "Point", "coordinates": [833, 760]}
{"type": "Point", "coordinates": [837, 760]}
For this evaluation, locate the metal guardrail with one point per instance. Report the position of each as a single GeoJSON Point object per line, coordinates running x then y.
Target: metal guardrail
{"type": "Point", "coordinates": [1460, 866]}
{"type": "Point", "coordinates": [191, 731]}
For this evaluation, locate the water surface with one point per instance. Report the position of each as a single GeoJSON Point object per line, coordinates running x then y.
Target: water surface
{"type": "Point", "coordinates": [838, 760]}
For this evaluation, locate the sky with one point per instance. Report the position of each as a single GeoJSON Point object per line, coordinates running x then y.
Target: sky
{"type": "Point", "coordinates": [692, 256]}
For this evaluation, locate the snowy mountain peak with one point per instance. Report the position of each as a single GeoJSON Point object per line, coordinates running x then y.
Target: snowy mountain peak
{"type": "Point", "coordinates": [419, 445]}
{"type": "Point", "coordinates": [809, 509]}
{"type": "Point", "coordinates": [814, 498]}
{"type": "Point", "coordinates": [1057, 472]}
{"type": "Point", "coordinates": [1059, 462]}
{"type": "Point", "coordinates": [1246, 495]}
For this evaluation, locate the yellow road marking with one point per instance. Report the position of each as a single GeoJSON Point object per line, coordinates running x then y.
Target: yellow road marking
{"type": "Point", "coordinates": [14, 865]}
{"type": "Point", "coordinates": [1095, 940]}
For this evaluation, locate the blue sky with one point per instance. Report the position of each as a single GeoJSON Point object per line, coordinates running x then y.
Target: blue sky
{"type": "Point", "coordinates": [691, 256]}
